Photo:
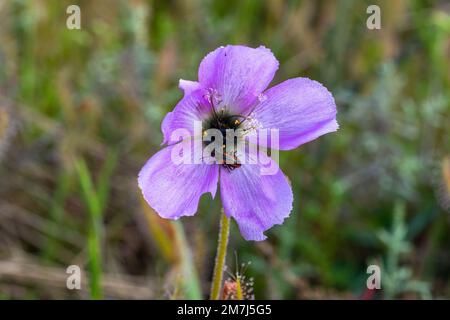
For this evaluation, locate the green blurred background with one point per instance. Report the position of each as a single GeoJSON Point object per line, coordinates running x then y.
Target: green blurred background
{"type": "Point", "coordinates": [80, 112]}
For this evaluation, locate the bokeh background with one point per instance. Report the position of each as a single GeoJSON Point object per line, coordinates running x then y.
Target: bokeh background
{"type": "Point", "coordinates": [80, 113]}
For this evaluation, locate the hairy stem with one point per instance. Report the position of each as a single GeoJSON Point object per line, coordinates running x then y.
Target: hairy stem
{"type": "Point", "coordinates": [220, 257]}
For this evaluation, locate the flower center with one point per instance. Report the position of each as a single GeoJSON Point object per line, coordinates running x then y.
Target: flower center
{"type": "Point", "coordinates": [225, 122]}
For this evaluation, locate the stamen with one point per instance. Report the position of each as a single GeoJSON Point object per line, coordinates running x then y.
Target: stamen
{"type": "Point", "coordinates": [223, 121]}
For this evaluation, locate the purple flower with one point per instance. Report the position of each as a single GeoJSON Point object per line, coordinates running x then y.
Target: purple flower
{"type": "Point", "coordinates": [231, 93]}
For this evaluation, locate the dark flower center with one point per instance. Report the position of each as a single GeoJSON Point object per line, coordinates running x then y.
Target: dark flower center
{"type": "Point", "coordinates": [223, 121]}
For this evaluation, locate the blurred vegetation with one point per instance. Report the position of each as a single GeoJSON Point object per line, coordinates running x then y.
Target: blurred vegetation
{"type": "Point", "coordinates": [80, 112]}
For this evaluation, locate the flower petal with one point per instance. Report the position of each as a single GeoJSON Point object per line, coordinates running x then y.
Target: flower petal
{"type": "Point", "coordinates": [300, 108]}
{"type": "Point", "coordinates": [174, 190]}
{"type": "Point", "coordinates": [188, 86]}
{"type": "Point", "coordinates": [238, 74]}
{"type": "Point", "coordinates": [256, 201]}
{"type": "Point", "coordinates": [193, 107]}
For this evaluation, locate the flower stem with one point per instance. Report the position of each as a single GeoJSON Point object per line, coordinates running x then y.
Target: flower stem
{"type": "Point", "coordinates": [239, 295]}
{"type": "Point", "coordinates": [220, 257]}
